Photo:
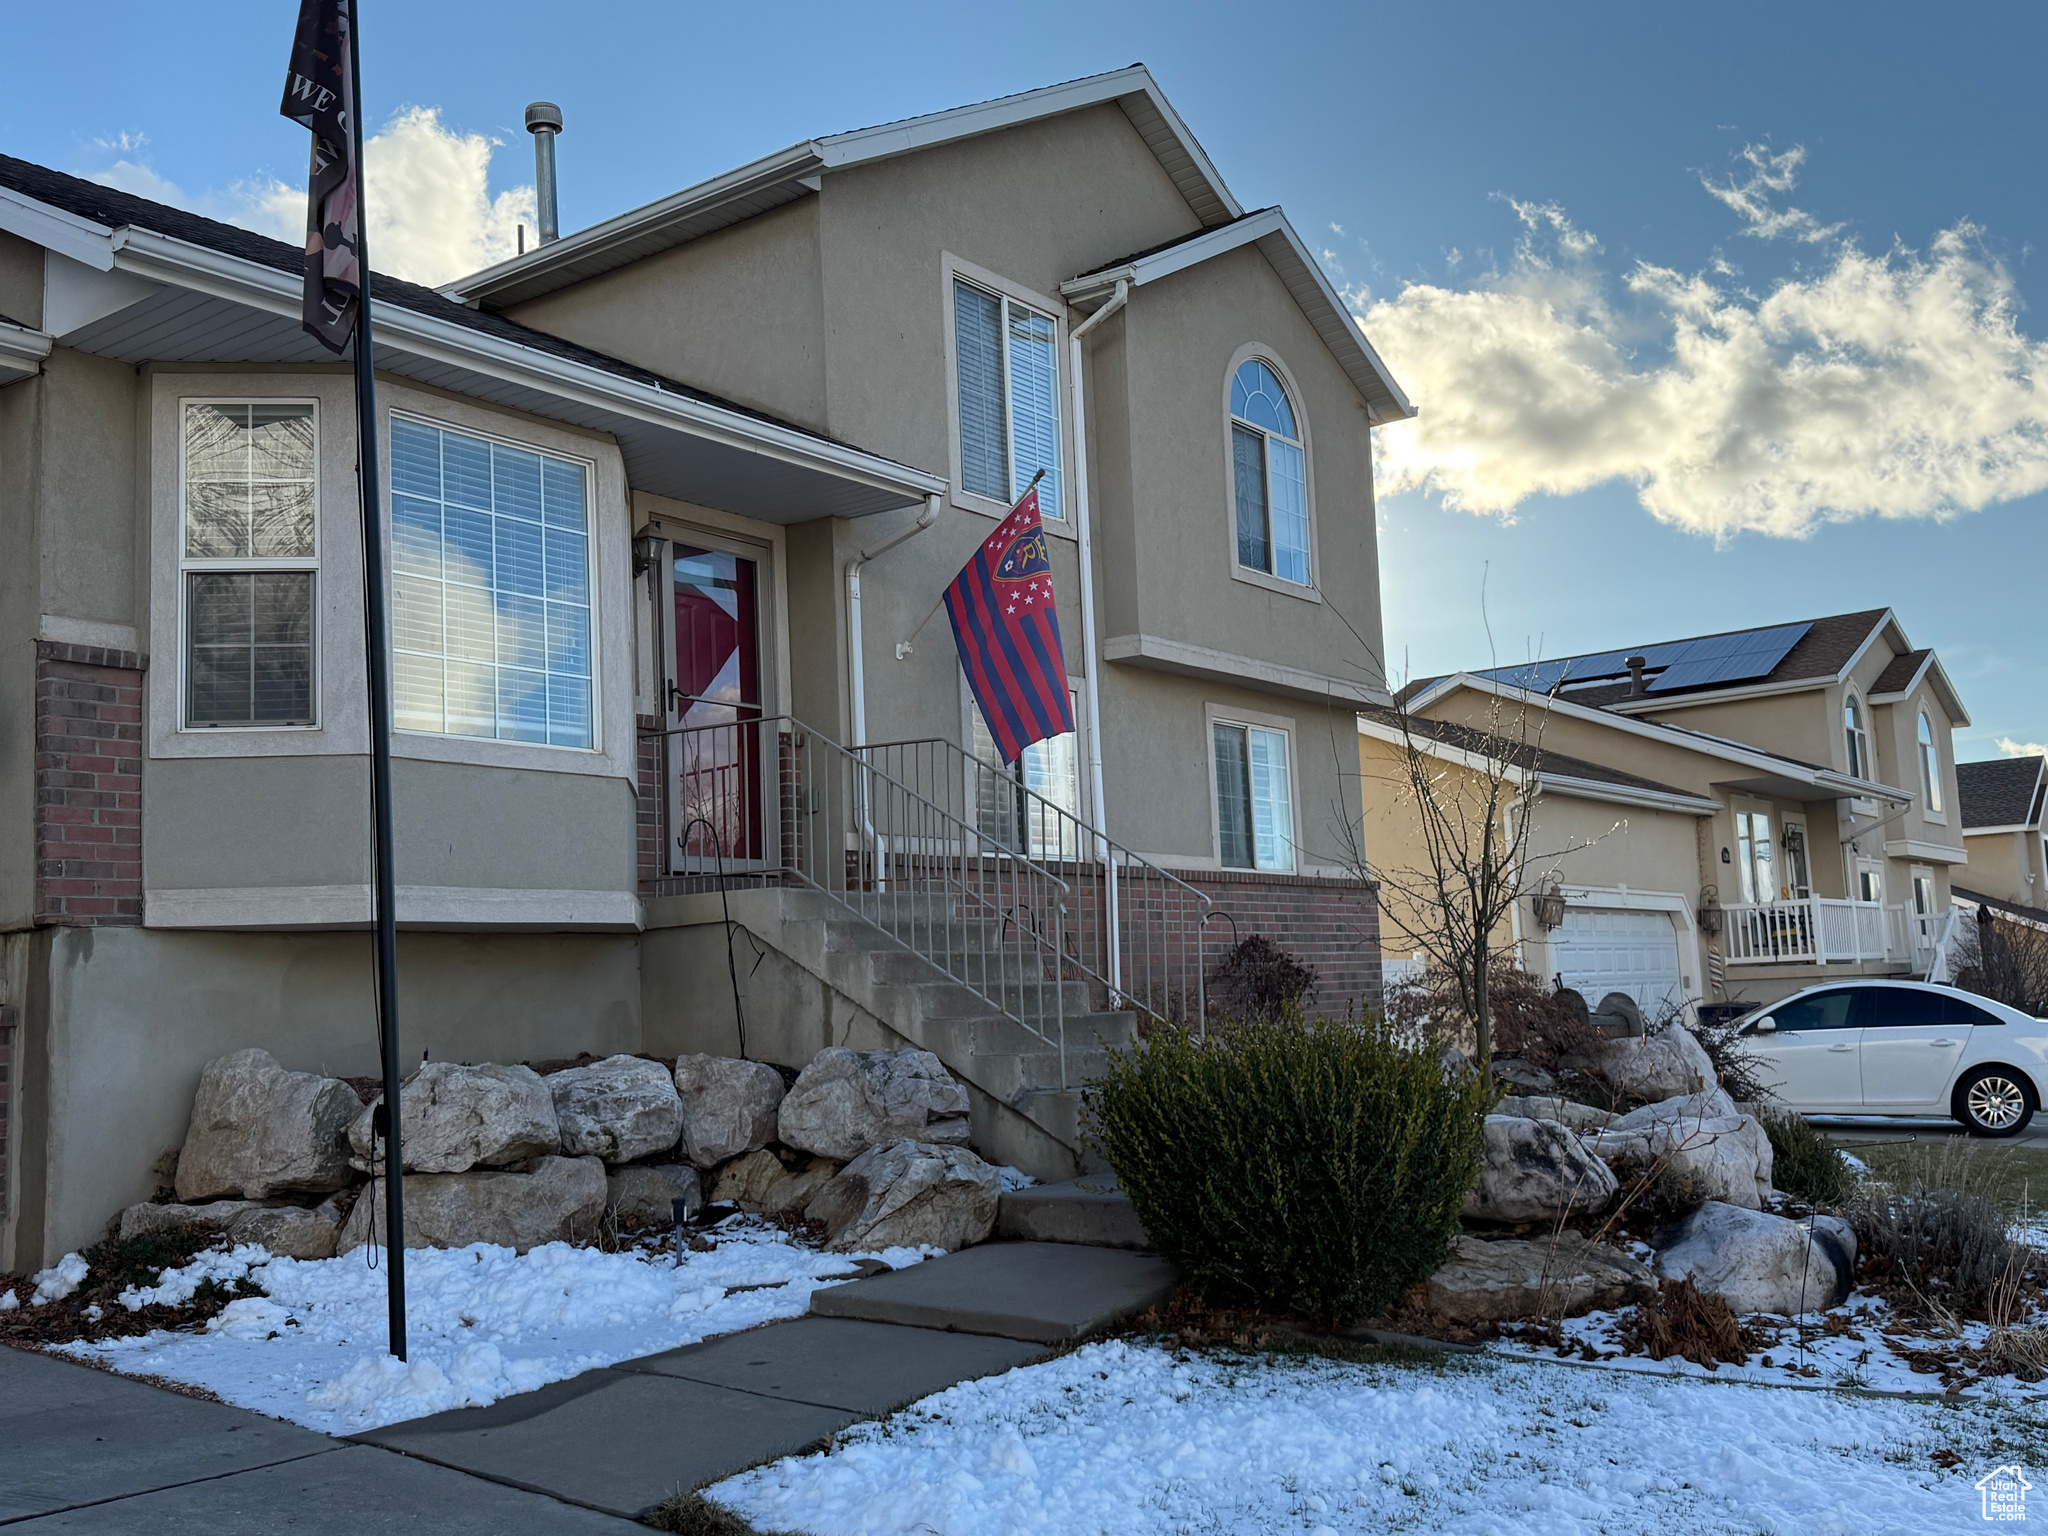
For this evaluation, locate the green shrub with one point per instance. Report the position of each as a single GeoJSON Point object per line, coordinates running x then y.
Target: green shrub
{"type": "Point", "coordinates": [1312, 1167]}
{"type": "Point", "coordinates": [1804, 1163]}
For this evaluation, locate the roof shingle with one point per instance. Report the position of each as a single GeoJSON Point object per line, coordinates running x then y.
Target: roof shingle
{"type": "Point", "coordinates": [2000, 793]}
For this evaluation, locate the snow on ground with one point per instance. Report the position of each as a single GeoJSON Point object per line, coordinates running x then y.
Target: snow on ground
{"type": "Point", "coordinates": [483, 1322]}
{"type": "Point", "coordinates": [1128, 1439]}
{"type": "Point", "coordinates": [1861, 1355]}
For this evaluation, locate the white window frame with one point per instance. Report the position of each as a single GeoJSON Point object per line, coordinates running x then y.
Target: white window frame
{"type": "Point", "coordinates": [186, 564]}
{"type": "Point", "coordinates": [1856, 738]}
{"type": "Point", "coordinates": [970, 707]}
{"type": "Point", "coordinates": [1933, 806]}
{"type": "Point", "coordinates": [590, 577]}
{"type": "Point", "coordinates": [1214, 715]}
{"type": "Point", "coordinates": [1745, 851]}
{"type": "Point", "coordinates": [952, 270]}
{"type": "Point", "coordinates": [1252, 575]}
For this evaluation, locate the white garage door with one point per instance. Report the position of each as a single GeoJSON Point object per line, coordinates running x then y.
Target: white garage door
{"type": "Point", "coordinates": [1606, 949]}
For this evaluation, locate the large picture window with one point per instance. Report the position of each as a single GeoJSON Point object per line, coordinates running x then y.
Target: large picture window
{"type": "Point", "coordinates": [1254, 797]}
{"type": "Point", "coordinates": [1007, 373]}
{"type": "Point", "coordinates": [491, 588]}
{"type": "Point", "coordinates": [248, 563]}
{"type": "Point", "coordinates": [1049, 769]}
{"type": "Point", "coordinates": [1269, 476]}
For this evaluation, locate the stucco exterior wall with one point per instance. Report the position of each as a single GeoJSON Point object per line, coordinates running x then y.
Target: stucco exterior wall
{"type": "Point", "coordinates": [21, 280]}
{"type": "Point", "coordinates": [20, 604]}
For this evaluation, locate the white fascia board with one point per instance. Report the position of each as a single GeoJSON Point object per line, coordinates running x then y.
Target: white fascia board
{"type": "Point", "coordinates": [1862, 789]}
{"type": "Point", "coordinates": [55, 230]}
{"type": "Point", "coordinates": [1931, 671]}
{"type": "Point", "coordinates": [1625, 794]}
{"type": "Point", "coordinates": [1900, 695]}
{"type": "Point", "coordinates": [260, 287]}
{"type": "Point", "coordinates": [2018, 826]}
{"type": "Point", "coordinates": [1652, 703]}
{"type": "Point", "coordinates": [1652, 730]}
{"type": "Point", "coordinates": [1268, 224]}
{"type": "Point", "coordinates": [1442, 751]}
{"type": "Point", "coordinates": [791, 164]}
{"type": "Point", "coordinates": [22, 351]}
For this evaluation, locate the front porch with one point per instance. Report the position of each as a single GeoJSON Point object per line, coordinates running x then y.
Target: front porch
{"type": "Point", "coordinates": [1823, 931]}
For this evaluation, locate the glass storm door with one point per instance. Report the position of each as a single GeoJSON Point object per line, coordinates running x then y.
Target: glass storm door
{"type": "Point", "coordinates": [717, 696]}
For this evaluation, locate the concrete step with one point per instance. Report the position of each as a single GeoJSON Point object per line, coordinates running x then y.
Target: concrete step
{"type": "Point", "coordinates": [1012, 1075]}
{"type": "Point", "coordinates": [993, 1033]}
{"type": "Point", "coordinates": [1090, 1210]}
{"type": "Point", "coordinates": [1043, 1293]}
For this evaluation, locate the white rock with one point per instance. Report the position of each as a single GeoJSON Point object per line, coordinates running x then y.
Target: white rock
{"type": "Point", "coordinates": [257, 1130]}
{"type": "Point", "coordinates": [1757, 1262]}
{"type": "Point", "coordinates": [1537, 1170]}
{"type": "Point", "coordinates": [1699, 1146]}
{"type": "Point", "coordinates": [728, 1107]}
{"type": "Point", "coordinates": [1567, 1112]}
{"type": "Point", "coordinates": [1496, 1282]}
{"type": "Point", "coordinates": [907, 1194]}
{"type": "Point", "coordinates": [847, 1101]}
{"type": "Point", "coordinates": [456, 1117]}
{"type": "Point", "coordinates": [560, 1201]}
{"type": "Point", "coordinates": [620, 1109]}
{"type": "Point", "coordinates": [1656, 1066]}
{"type": "Point", "coordinates": [288, 1231]}
{"type": "Point", "coordinates": [645, 1195]}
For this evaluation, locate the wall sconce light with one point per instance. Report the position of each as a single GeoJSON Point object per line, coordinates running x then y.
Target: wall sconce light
{"type": "Point", "coordinates": [1548, 906]}
{"type": "Point", "coordinates": [1711, 913]}
{"type": "Point", "coordinates": [646, 552]}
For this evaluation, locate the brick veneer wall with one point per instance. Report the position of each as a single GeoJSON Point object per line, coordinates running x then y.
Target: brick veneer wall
{"type": "Point", "coordinates": [88, 785]}
{"type": "Point", "coordinates": [7, 1017]}
{"type": "Point", "coordinates": [1333, 925]}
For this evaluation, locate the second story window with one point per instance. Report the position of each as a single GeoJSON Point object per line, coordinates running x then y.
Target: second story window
{"type": "Point", "coordinates": [1930, 765]}
{"type": "Point", "coordinates": [1269, 476]}
{"type": "Point", "coordinates": [1008, 377]}
{"type": "Point", "coordinates": [1855, 739]}
{"type": "Point", "coordinates": [247, 563]}
{"type": "Point", "coordinates": [490, 584]}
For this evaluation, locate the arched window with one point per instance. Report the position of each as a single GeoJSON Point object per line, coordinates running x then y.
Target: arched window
{"type": "Point", "coordinates": [1858, 743]}
{"type": "Point", "coordinates": [1930, 764]}
{"type": "Point", "coordinates": [1269, 476]}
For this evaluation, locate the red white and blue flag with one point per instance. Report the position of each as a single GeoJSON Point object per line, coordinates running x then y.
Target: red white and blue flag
{"type": "Point", "coordinates": [1008, 629]}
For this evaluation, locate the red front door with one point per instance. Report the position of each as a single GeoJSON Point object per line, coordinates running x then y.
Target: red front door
{"type": "Point", "coordinates": [718, 696]}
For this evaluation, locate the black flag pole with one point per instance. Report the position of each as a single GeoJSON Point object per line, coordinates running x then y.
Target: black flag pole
{"type": "Point", "coordinates": [324, 91]}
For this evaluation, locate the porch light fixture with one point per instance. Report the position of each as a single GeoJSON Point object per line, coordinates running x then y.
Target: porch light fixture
{"type": "Point", "coordinates": [646, 552]}
{"type": "Point", "coordinates": [1711, 914]}
{"type": "Point", "coordinates": [1548, 906]}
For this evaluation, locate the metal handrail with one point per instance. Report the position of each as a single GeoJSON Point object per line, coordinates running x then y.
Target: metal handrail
{"type": "Point", "coordinates": [1140, 941]}
{"type": "Point", "coordinates": [987, 916]}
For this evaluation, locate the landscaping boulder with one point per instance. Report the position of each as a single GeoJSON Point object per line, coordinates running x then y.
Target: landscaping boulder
{"type": "Point", "coordinates": [1498, 1282]}
{"type": "Point", "coordinates": [560, 1201]}
{"type": "Point", "coordinates": [1699, 1145]}
{"type": "Point", "coordinates": [1757, 1262]}
{"type": "Point", "coordinates": [1522, 1075]}
{"type": "Point", "coordinates": [455, 1118]}
{"type": "Point", "coordinates": [1566, 1112]}
{"type": "Point", "coordinates": [288, 1231]}
{"type": "Point", "coordinates": [908, 1194]}
{"type": "Point", "coordinates": [1536, 1170]}
{"type": "Point", "coordinates": [847, 1101]}
{"type": "Point", "coordinates": [620, 1109]}
{"type": "Point", "coordinates": [1655, 1066]}
{"type": "Point", "coordinates": [728, 1107]}
{"type": "Point", "coordinates": [745, 1181]}
{"type": "Point", "coordinates": [258, 1130]}
{"type": "Point", "coordinates": [645, 1195]}
{"type": "Point", "coordinates": [795, 1189]}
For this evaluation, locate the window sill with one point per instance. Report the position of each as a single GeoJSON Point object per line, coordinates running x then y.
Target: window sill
{"type": "Point", "coordinates": [1272, 583]}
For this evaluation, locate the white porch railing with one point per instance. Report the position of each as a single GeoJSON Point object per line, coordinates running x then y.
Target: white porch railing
{"type": "Point", "coordinates": [1819, 930]}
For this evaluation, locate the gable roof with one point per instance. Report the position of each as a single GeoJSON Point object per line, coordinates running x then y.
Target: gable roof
{"type": "Point", "coordinates": [1269, 230]}
{"type": "Point", "coordinates": [792, 173]}
{"type": "Point", "coordinates": [201, 290]}
{"type": "Point", "coordinates": [2005, 792]}
{"type": "Point", "coordinates": [1554, 770]}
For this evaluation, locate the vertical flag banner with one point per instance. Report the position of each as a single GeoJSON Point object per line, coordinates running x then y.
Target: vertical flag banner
{"type": "Point", "coordinates": [319, 94]}
{"type": "Point", "coordinates": [1008, 629]}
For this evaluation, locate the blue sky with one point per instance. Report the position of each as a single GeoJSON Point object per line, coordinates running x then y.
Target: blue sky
{"type": "Point", "coordinates": [1543, 159]}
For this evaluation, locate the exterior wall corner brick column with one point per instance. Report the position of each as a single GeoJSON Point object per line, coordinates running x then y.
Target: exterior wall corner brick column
{"type": "Point", "coordinates": [88, 786]}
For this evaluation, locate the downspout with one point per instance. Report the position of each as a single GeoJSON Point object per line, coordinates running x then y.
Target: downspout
{"type": "Point", "coordinates": [856, 664]}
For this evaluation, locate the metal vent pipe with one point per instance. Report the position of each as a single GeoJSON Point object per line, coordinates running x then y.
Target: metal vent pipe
{"type": "Point", "coordinates": [544, 121]}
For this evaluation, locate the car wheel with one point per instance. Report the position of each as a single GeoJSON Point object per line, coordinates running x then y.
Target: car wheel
{"type": "Point", "coordinates": [1994, 1101]}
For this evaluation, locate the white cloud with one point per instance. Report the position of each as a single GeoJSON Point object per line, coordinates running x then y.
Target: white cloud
{"type": "Point", "coordinates": [432, 217]}
{"type": "Point", "coordinates": [2013, 748]}
{"type": "Point", "coordinates": [1897, 385]}
{"type": "Point", "coordinates": [1751, 199]}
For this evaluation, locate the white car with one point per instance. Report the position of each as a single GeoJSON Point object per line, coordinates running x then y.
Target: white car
{"type": "Point", "coordinates": [1901, 1048]}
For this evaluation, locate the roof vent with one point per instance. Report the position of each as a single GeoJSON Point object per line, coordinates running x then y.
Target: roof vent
{"type": "Point", "coordinates": [544, 121]}
{"type": "Point", "coordinates": [1635, 664]}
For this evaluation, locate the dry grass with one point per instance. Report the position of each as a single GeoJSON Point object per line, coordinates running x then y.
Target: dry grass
{"type": "Point", "coordinates": [691, 1514]}
{"type": "Point", "coordinates": [1687, 1322]}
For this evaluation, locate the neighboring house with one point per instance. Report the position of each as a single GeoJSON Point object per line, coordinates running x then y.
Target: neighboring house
{"type": "Point", "coordinates": [1815, 763]}
{"type": "Point", "coordinates": [653, 610]}
{"type": "Point", "coordinates": [2002, 806]}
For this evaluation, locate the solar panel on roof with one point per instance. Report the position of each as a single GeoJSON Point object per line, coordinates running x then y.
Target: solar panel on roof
{"type": "Point", "coordinates": [1729, 658]}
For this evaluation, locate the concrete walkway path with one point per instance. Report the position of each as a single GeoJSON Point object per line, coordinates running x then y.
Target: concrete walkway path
{"type": "Point", "coordinates": [81, 1450]}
